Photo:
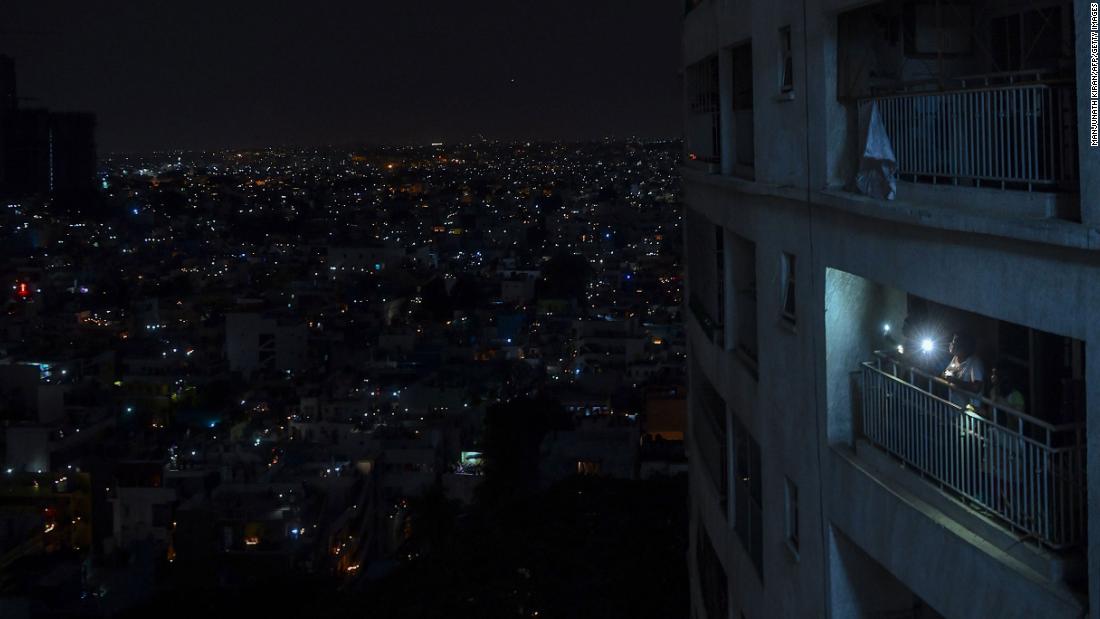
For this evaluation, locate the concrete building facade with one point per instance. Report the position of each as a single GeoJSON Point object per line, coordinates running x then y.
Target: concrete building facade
{"type": "Point", "coordinates": [835, 472]}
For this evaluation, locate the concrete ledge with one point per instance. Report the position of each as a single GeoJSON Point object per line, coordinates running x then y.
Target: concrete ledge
{"type": "Point", "coordinates": [990, 202]}
{"type": "Point", "coordinates": [940, 208]}
{"type": "Point", "coordinates": [1042, 562]}
{"type": "Point", "coordinates": [933, 554]}
{"type": "Point", "coordinates": [1045, 231]}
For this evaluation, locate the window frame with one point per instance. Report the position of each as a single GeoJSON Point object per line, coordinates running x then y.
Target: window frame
{"type": "Point", "coordinates": [786, 60]}
{"type": "Point", "coordinates": [791, 529]}
{"type": "Point", "coordinates": [788, 292]}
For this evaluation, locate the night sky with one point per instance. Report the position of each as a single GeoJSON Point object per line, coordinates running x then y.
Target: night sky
{"type": "Point", "coordinates": [241, 73]}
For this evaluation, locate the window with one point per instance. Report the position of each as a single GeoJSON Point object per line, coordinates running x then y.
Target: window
{"type": "Point", "coordinates": [743, 147]}
{"type": "Point", "coordinates": [743, 266]}
{"type": "Point", "coordinates": [712, 576]}
{"type": "Point", "coordinates": [705, 264]}
{"type": "Point", "coordinates": [786, 61]}
{"type": "Point", "coordinates": [788, 287]}
{"type": "Point", "coordinates": [709, 428]}
{"type": "Point", "coordinates": [935, 30]}
{"type": "Point", "coordinates": [791, 509]}
{"type": "Point", "coordinates": [588, 467]}
{"type": "Point", "coordinates": [720, 278]}
{"type": "Point", "coordinates": [748, 516]}
{"type": "Point", "coordinates": [701, 134]}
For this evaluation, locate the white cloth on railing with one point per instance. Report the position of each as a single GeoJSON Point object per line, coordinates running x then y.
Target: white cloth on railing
{"type": "Point", "coordinates": [878, 166]}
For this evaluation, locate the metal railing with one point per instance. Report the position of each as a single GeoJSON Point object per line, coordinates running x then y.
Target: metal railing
{"type": "Point", "coordinates": [1025, 471]}
{"type": "Point", "coordinates": [997, 135]}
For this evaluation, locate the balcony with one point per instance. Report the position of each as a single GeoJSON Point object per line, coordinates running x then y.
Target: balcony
{"type": "Point", "coordinates": [977, 102]}
{"type": "Point", "coordinates": [702, 126]}
{"type": "Point", "coordinates": [1025, 472]}
{"type": "Point", "coordinates": [989, 131]}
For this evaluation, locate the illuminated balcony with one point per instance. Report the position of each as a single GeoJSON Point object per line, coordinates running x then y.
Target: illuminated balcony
{"type": "Point", "coordinates": [1026, 472]}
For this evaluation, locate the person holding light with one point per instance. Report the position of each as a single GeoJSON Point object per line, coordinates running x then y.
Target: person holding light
{"type": "Point", "coordinates": [965, 373]}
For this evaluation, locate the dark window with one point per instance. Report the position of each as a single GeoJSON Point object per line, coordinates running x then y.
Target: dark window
{"type": "Point", "coordinates": [1005, 41]}
{"type": "Point", "coordinates": [786, 60]}
{"type": "Point", "coordinates": [712, 576]}
{"type": "Point", "coordinates": [748, 516]}
{"type": "Point", "coordinates": [934, 29]}
{"type": "Point", "coordinates": [791, 497]}
{"type": "Point", "coordinates": [710, 431]}
{"type": "Point", "coordinates": [720, 279]}
{"type": "Point", "coordinates": [702, 132]}
{"type": "Point", "coordinates": [743, 262]}
{"type": "Point", "coordinates": [743, 130]}
{"type": "Point", "coordinates": [789, 304]}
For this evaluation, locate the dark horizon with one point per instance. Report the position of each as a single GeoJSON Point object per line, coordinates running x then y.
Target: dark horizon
{"type": "Point", "coordinates": [204, 77]}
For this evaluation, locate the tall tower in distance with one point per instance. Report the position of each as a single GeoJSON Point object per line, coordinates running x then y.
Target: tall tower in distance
{"type": "Point", "coordinates": [8, 98]}
{"type": "Point", "coordinates": [43, 153]}
{"type": "Point", "coordinates": [892, 269]}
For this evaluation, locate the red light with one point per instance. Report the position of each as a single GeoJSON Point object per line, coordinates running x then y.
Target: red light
{"type": "Point", "coordinates": [23, 291]}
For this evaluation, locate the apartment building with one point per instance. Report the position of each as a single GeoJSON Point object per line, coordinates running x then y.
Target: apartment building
{"type": "Point", "coordinates": [871, 190]}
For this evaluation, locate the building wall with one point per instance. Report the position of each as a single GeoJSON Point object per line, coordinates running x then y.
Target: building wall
{"type": "Point", "coordinates": [862, 531]}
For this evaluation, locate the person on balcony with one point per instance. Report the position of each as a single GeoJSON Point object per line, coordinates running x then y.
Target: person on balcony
{"type": "Point", "coordinates": [1002, 388]}
{"type": "Point", "coordinates": [965, 373]}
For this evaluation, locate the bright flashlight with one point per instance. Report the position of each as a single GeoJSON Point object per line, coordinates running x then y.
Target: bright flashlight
{"type": "Point", "coordinates": [926, 345]}
{"type": "Point", "coordinates": [886, 328]}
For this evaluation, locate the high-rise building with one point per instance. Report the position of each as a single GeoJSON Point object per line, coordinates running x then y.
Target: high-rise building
{"type": "Point", "coordinates": [27, 156]}
{"type": "Point", "coordinates": [891, 224]}
{"type": "Point", "coordinates": [7, 107]}
{"type": "Point", "coordinates": [42, 152]}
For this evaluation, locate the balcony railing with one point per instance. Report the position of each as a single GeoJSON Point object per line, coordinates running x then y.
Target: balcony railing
{"type": "Point", "coordinates": [1027, 472]}
{"type": "Point", "coordinates": [1008, 136]}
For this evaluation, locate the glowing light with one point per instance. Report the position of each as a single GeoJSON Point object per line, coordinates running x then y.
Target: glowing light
{"type": "Point", "coordinates": [886, 328]}
{"type": "Point", "coordinates": [926, 345]}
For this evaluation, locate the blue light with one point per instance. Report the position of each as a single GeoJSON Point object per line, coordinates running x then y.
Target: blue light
{"type": "Point", "coordinates": [135, 211]}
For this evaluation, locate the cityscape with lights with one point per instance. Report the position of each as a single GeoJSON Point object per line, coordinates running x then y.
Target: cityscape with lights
{"type": "Point", "coordinates": [363, 310]}
{"type": "Point", "coordinates": [228, 371]}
